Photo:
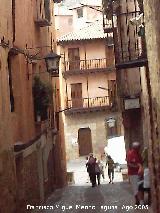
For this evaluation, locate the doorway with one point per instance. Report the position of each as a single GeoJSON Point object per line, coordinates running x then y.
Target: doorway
{"type": "Point", "coordinates": [85, 141]}
{"type": "Point", "coordinates": [76, 95]}
{"type": "Point", "coordinates": [74, 58]}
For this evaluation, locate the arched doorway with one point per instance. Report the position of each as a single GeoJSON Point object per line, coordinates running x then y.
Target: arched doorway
{"type": "Point", "coordinates": [84, 141]}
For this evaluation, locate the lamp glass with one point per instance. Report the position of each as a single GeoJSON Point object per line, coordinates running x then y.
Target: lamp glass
{"type": "Point", "coordinates": [52, 64]}
{"type": "Point", "coordinates": [111, 122]}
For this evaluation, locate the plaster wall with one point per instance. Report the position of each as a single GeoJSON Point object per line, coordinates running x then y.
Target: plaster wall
{"type": "Point", "coordinates": [94, 120]}
{"type": "Point", "coordinates": [89, 48]}
{"type": "Point", "coordinates": [93, 84]}
{"type": "Point", "coordinates": [19, 126]}
{"type": "Point", "coordinates": [7, 166]}
{"type": "Point", "coordinates": [89, 15]}
{"type": "Point", "coordinates": [64, 24]}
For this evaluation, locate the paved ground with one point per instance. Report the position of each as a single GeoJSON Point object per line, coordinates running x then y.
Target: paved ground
{"type": "Point", "coordinates": [81, 197]}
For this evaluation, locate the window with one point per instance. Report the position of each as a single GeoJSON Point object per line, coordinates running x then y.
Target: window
{"type": "Point", "coordinates": [80, 12]}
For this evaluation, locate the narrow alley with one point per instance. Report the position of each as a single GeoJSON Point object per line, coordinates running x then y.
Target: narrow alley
{"type": "Point", "coordinates": [79, 99]}
{"type": "Point", "coordinates": [81, 197]}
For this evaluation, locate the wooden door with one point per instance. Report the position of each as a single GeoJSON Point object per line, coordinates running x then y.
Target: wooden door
{"type": "Point", "coordinates": [112, 92]}
{"type": "Point", "coordinates": [85, 141]}
{"type": "Point", "coordinates": [76, 95]}
{"type": "Point", "coordinates": [74, 59]}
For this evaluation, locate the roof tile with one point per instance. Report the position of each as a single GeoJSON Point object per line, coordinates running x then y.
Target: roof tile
{"type": "Point", "coordinates": [92, 31]}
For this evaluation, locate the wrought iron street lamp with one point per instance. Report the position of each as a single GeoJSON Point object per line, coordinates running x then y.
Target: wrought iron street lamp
{"type": "Point", "coordinates": [52, 63]}
{"type": "Point", "coordinates": [111, 122]}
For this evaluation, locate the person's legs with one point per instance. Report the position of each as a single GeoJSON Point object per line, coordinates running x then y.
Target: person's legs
{"type": "Point", "coordinates": [93, 179]}
{"type": "Point", "coordinates": [112, 175]}
{"type": "Point", "coordinates": [98, 178]}
{"type": "Point", "coordinates": [134, 185]}
{"type": "Point", "coordinates": [141, 193]}
{"type": "Point", "coordinates": [109, 175]}
{"type": "Point", "coordinates": [149, 196]}
{"type": "Point", "coordinates": [90, 177]}
{"type": "Point", "coordinates": [103, 175]}
{"type": "Point", "coordinates": [148, 191]}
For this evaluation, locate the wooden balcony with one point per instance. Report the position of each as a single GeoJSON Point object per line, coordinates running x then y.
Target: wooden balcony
{"type": "Point", "coordinates": [43, 13]}
{"type": "Point", "coordinates": [130, 56]}
{"type": "Point", "coordinates": [129, 32]}
{"type": "Point", "coordinates": [95, 104]}
{"type": "Point", "coordinates": [88, 66]}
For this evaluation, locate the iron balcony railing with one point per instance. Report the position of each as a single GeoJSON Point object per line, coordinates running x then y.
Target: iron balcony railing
{"type": "Point", "coordinates": [89, 64]}
{"type": "Point", "coordinates": [90, 102]}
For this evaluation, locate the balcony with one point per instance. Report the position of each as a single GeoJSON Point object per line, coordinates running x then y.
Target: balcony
{"type": "Point", "coordinates": [88, 66]}
{"type": "Point", "coordinates": [128, 28]}
{"type": "Point", "coordinates": [83, 105]}
{"type": "Point", "coordinates": [43, 13]}
{"type": "Point", "coordinates": [129, 55]}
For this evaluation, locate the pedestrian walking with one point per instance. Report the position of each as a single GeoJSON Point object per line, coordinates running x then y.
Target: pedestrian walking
{"type": "Point", "coordinates": [97, 171]}
{"type": "Point", "coordinates": [91, 169]}
{"type": "Point", "coordinates": [144, 185]}
{"type": "Point", "coordinates": [101, 166]}
{"type": "Point", "coordinates": [88, 179]}
{"type": "Point", "coordinates": [110, 164]}
{"type": "Point", "coordinates": [134, 163]}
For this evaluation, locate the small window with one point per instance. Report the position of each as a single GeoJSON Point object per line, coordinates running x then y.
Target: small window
{"type": "Point", "coordinates": [80, 12]}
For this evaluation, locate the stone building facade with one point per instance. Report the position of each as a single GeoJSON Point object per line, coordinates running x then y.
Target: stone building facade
{"type": "Point", "coordinates": [32, 152]}
{"type": "Point", "coordinates": [152, 17]}
{"type": "Point", "coordinates": [149, 83]}
{"type": "Point", "coordinates": [88, 90]}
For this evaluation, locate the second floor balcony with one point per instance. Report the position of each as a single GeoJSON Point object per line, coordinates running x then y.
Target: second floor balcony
{"type": "Point", "coordinates": [95, 104]}
{"type": "Point", "coordinates": [88, 66]}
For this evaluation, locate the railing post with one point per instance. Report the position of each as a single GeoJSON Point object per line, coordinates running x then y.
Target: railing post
{"type": "Point", "coordinates": [88, 102]}
{"type": "Point", "coordinates": [85, 63]}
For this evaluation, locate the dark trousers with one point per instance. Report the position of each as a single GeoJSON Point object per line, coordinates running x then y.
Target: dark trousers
{"type": "Point", "coordinates": [111, 174]}
{"type": "Point", "coordinates": [98, 177]}
{"type": "Point", "coordinates": [92, 178]}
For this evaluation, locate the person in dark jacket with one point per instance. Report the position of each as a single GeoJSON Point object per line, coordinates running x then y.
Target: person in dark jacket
{"type": "Point", "coordinates": [91, 169]}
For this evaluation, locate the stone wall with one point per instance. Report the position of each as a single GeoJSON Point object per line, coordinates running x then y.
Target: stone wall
{"type": "Point", "coordinates": [96, 122]}
{"type": "Point", "coordinates": [152, 17]}
{"type": "Point", "coordinates": [37, 172]}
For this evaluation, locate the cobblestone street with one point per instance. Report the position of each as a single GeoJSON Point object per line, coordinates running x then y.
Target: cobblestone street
{"type": "Point", "coordinates": [81, 197]}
